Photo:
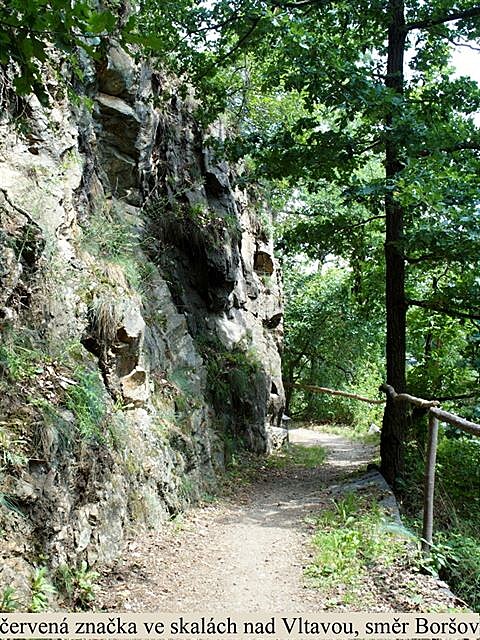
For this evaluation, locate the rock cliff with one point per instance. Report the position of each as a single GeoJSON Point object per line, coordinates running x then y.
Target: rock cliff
{"type": "Point", "coordinates": [140, 318]}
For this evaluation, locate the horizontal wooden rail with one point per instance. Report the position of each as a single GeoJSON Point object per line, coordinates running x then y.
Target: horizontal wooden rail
{"type": "Point", "coordinates": [433, 406]}
{"type": "Point", "coordinates": [465, 425]}
{"type": "Point", "coordinates": [435, 415]}
{"type": "Point", "coordinates": [334, 392]}
{"type": "Point", "coordinates": [419, 402]}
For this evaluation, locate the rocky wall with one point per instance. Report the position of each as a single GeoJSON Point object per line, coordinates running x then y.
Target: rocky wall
{"type": "Point", "coordinates": [140, 318]}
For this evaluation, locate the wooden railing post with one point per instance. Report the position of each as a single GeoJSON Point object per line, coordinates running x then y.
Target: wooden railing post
{"type": "Point", "coordinates": [434, 414]}
{"type": "Point", "coordinates": [427, 534]}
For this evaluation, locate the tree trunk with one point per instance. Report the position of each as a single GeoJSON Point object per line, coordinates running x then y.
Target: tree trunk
{"type": "Point", "coordinates": [395, 416]}
{"type": "Point", "coordinates": [288, 379]}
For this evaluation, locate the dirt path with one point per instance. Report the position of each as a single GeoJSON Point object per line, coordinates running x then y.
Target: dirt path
{"type": "Point", "coordinates": [248, 553]}
{"type": "Point", "coordinates": [247, 556]}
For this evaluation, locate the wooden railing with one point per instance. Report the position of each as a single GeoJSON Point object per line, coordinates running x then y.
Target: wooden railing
{"type": "Point", "coordinates": [435, 414]}
{"type": "Point", "coordinates": [334, 392]}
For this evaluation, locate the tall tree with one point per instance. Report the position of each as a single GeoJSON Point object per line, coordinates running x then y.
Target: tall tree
{"type": "Point", "coordinates": [395, 417]}
{"type": "Point", "coordinates": [345, 65]}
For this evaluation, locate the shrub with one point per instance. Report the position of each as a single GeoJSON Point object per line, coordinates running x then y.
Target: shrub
{"type": "Point", "coordinates": [8, 600]}
{"type": "Point", "coordinates": [42, 589]}
{"type": "Point", "coordinates": [77, 584]}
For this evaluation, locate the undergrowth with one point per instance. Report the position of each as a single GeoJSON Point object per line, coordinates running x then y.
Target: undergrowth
{"type": "Point", "coordinates": [293, 455]}
{"type": "Point", "coordinates": [456, 548]}
{"type": "Point", "coordinates": [35, 389]}
{"type": "Point", "coordinates": [235, 386]}
{"type": "Point", "coordinates": [108, 236]}
{"type": "Point", "coordinates": [8, 600]}
{"type": "Point", "coordinates": [77, 585]}
{"type": "Point", "coordinates": [20, 359]}
{"type": "Point", "coordinates": [86, 401]}
{"type": "Point", "coordinates": [41, 593]}
{"type": "Point", "coordinates": [230, 374]}
{"type": "Point", "coordinates": [41, 590]}
{"type": "Point", "coordinates": [351, 536]}
{"type": "Point", "coordinates": [115, 241]}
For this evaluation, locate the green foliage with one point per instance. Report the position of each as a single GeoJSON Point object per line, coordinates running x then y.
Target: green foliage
{"type": "Point", "coordinates": [443, 357]}
{"type": "Point", "coordinates": [187, 488]}
{"type": "Point", "coordinates": [77, 584]}
{"type": "Point", "coordinates": [462, 564]}
{"type": "Point", "coordinates": [12, 449]}
{"type": "Point", "coordinates": [398, 148]}
{"type": "Point", "coordinates": [458, 473]}
{"type": "Point", "coordinates": [8, 503]}
{"type": "Point", "coordinates": [331, 222]}
{"type": "Point", "coordinates": [235, 386]}
{"type": "Point", "coordinates": [22, 365]}
{"type": "Point", "coordinates": [346, 352]}
{"type": "Point", "coordinates": [322, 130]}
{"type": "Point", "coordinates": [349, 538]}
{"type": "Point", "coordinates": [108, 236]}
{"type": "Point", "coordinates": [52, 418]}
{"type": "Point", "coordinates": [29, 29]}
{"type": "Point", "coordinates": [457, 496]}
{"type": "Point", "coordinates": [297, 456]}
{"type": "Point", "coordinates": [8, 600]}
{"type": "Point", "coordinates": [230, 374]}
{"type": "Point", "coordinates": [41, 590]}
{"type": "Point", "coordinates": [455, 557]}
{"type": "Point", "coordinates": [112, 237]}
{"type": "Point", "coordinates": [86, 400]}
{"type": "Point", "coordinates": [193, 225]}
{"type": "Point", "coordinates": [19, 359]}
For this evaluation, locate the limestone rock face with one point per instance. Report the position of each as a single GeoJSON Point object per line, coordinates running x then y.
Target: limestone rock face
{"type": "Point", "coordinates": [140, 314]}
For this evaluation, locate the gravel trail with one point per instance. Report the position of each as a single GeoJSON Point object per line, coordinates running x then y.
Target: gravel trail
{"type": "Point", "coordinates": [246, 555]}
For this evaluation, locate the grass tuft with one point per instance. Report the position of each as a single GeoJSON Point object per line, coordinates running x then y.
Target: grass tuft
{"type": "Point", "coordinates": [294, 455]}
{"type": "Point", "coordinates": [87, 402]}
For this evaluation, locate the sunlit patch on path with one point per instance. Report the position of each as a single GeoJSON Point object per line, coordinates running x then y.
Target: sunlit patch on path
{"type": "Point", "coordinates": [246, 553]}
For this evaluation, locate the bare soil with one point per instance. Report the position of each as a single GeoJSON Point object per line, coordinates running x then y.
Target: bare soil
{"type": "Point", "coordinates": [248, 552]}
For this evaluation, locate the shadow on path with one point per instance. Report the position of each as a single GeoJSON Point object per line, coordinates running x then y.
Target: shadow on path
{"type": "Point", "coordinates": [243, 556]}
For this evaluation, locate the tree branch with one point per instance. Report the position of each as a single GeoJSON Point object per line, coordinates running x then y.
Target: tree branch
{"type": "Point", "coordinates": [238, 45]}
{"type": "Point", "coordinates": [208, 27]}
{"type": "Point", "coordinates": [27, 29]}
{"type": "Point", "coordinates": [469, 145]}
{"type": "Point", "coordinates": [425, 304]}
{"type": "Point", "coordinates": [371, 146]}
{"type": "Point", "coordinates": [463, 44]}
{"type": "Point", "coordinates": [449, 17]}
{"type": "Point", "coordinates": [463, 396]}
{"type": "Point", "coordinates": [296, 5]}
{"type": "Point", "coordinates": [360, 224]}
{"type": "Point", "coordinates": [427, 256]}
{"type": "Point", "coordinates": [335, 392]}
{"type": "Point", "coordinates": [18, 209]}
